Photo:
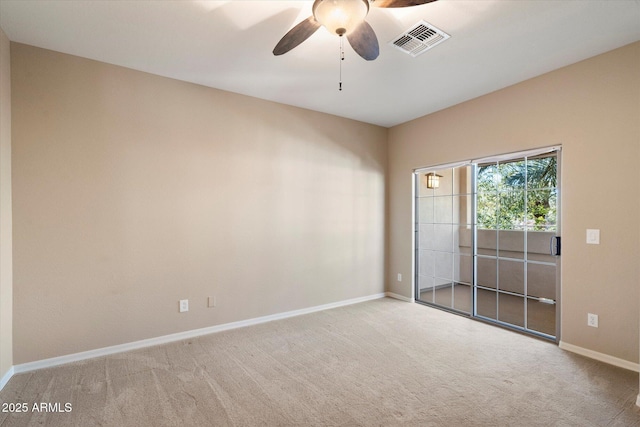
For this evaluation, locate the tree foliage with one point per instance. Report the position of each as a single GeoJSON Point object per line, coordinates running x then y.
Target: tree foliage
{"type": "Point", "coordinates": [518, 195]}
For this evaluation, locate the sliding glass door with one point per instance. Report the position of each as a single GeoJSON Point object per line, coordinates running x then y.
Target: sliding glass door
{"type": "Point", "coordinates": [487, 240]}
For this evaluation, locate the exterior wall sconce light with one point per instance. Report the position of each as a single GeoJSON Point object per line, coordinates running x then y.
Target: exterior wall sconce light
{"type": "Point", "coordinates": [432, 180]}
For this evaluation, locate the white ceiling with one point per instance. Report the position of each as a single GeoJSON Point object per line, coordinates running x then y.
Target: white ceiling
{"type": "Point", "coordinates": [228, 44]}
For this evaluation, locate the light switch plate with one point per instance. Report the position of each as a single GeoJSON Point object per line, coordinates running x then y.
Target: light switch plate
{"type": "Point", "coordinates": [593, 236]}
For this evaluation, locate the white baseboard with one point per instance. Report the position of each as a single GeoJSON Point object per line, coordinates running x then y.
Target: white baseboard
{"type": "Point", "coordinates": [61, 360]}
{"type": "Point", "coordinates": [398, 296]}
{"type": "Point", "coordinates": [7, 376]}
{"type": "Point", "coordinates": [611, 360]}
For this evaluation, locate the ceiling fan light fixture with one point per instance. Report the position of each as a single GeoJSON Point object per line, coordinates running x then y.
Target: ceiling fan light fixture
{"type": "Point", "coordinates": [340, 16]}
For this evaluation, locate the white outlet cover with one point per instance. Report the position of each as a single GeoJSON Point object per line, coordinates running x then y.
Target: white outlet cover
{"type": "Point", "coordinates": [399, 277]}
{"type": "Point", "coordinates": [592, 320]}
{"type": "Point", "coordinates": [593, 236]}
{"type": "Point", "coordinates": [184, 305]}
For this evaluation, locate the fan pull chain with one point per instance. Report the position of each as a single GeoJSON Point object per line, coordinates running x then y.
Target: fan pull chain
{"type": "Point", "coordinates": [341, 59]}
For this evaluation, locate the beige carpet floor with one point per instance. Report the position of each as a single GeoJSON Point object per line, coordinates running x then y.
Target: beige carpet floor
{"type": "Point", "coordinates": [379, 363]}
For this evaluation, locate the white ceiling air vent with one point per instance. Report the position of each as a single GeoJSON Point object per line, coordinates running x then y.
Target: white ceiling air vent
{"type": "Point", "coordinates": [419, 39]}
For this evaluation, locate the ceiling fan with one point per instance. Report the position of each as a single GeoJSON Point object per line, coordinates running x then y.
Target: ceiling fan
{"type": "Point", "coordinates": [342, 17]}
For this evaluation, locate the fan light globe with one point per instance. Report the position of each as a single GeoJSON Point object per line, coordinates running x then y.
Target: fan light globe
{"type": "Point", "coordinates": [340, 16]}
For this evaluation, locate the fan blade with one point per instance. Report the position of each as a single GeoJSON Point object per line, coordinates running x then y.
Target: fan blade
{"type": "Point", "coordinates": [296, 35]}
{"type": "Point", "coordinates": [399, 3]}
{"type": "Point", "coordinates": [364, 41]}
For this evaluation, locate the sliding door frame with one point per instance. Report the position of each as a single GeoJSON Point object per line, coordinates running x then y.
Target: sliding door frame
{"type": "Point", "coordinates": [557, 150]}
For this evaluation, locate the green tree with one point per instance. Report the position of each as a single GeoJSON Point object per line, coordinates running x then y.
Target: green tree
{"type": "Point", "coordinates": [518, 194]}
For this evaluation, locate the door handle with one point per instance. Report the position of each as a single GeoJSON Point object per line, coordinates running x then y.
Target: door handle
{"type": "Point", "coordinates": [555, 246]}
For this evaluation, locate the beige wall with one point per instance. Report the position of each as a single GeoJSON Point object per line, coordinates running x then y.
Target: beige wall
{"type": "Point", "coordinates": [592, 109]}
{"type": "Point", "coordinates": [132, 191]}
{"type": "Point", "coordinates": [6, 267]}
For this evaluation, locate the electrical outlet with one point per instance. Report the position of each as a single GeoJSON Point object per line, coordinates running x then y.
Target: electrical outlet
{"type": "Point", "coordinates": [399, 277]}
{"type": "Point", "coordinates": [184, 305]}
{"type": "Point", "coordinates": [592, 320]}
{"type": "Point", "coordinates": [211, 302]}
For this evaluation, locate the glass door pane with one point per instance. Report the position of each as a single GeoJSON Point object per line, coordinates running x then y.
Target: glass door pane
{"type": "Point", "coordinates": [542, 230]}
{"type": "Point", "coordinates": [516, 269]}
{"type": "Point", "coordinates": [444, 241]}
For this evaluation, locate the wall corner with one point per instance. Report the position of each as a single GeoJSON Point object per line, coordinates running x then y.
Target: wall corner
{"type": "Point", "coordinates": [6, 221]}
